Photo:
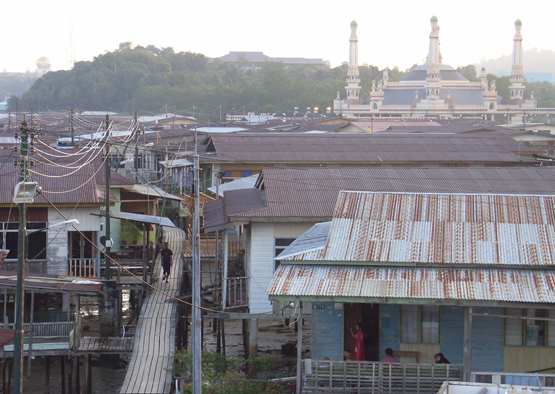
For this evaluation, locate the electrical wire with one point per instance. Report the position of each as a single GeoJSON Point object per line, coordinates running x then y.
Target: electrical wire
{"type": "Point", "coordinates": [130, 273]}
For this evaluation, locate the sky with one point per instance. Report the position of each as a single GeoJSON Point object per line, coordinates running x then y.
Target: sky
{"type": "Point", "coordinates": [390, 33]}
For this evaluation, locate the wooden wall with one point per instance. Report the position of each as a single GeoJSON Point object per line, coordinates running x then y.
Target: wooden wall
{"type": "Point", "coordinates": [327, 330]}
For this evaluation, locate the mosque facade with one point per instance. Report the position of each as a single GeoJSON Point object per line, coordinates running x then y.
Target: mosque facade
{"type": "Point", "coordinates": [436, 90]}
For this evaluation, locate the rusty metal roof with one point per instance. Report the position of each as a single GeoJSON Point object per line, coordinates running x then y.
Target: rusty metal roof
{"type": "Point", "coordinates": [443, 229]}
{"type": "Point", "coordinates": [486, 284]}
{"type": "Point", "coordinates": [360, 148]}
{"type": "Point", "coordinates": [312, 192]}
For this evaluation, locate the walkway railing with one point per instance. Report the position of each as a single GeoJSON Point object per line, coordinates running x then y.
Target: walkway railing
{"type": "Point", "coordinates": [358, 377]}
{"type": "Point", "coordinates": [47, 330]}
{"type": "Point", "coordinates": [84, 268]}
{"type": "Point", "coordinates": [237, 294]}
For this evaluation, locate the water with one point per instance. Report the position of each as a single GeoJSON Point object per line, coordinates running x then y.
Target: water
{"type": "Point", "coordinates": [107, 376]}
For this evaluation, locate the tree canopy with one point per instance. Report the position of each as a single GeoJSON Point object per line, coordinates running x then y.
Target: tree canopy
{"type": "Point", "coordinates": [148, 79]}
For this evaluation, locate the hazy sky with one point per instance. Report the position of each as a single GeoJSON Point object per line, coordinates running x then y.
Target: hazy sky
{"type": "Point", "coordinates": [393, 32]}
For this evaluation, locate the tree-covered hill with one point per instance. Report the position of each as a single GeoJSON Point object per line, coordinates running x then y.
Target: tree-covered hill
{"type": "Point", "coordinates": [148, 79]}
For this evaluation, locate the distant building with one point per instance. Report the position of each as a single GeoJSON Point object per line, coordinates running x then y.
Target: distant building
{"type": "Point", "coordinates": [43, 65]}
{"type": "Point", "coordinates": [435, 89]}
{"type": "Point", "coordinates": [255, 60]}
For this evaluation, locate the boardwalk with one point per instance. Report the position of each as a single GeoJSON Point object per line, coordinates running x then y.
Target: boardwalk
{"type": "Point", "coordinates": [155, 337]}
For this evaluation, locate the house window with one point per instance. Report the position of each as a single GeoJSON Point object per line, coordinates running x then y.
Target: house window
{"type": "Point", "coordinates": [36, 245]}
{"type": "Point", "coordinates": [522, 329]}
{"type": "Point", "coordinates": [419, 324]}
{"type": "Point", "coordinates": [280, 245]}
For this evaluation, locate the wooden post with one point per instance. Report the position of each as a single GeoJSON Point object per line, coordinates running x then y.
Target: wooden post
{"type": "Point", "coordinates": [253, 337]}
{"type": "Point", "coordinates": [31, 336]}
{"type": "Point", "coordinates": [88, 372]}
{"type": "Point", "coordinates": [10, 372]}
{"type": "Point", "coordinates": [223, 335]}
{"type": "Point", "coordinates": [75, 375]}
{"type": "Point", "coordinates": [47, 377]}
{"type": "Point", "coordinates": [70, 378]}
{"type": "Point", "coordinates": [245, 331]}
{"type": "Point", "coordinates": [63, 374]}
{"type": "Point", "coordinates": [467, 340]}
{"type": "Point", "coordinates": [300, 352]}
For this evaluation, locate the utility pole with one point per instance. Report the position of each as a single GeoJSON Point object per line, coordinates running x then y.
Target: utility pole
{"type": "Point", "coordinates": [21, 257]}
{"type": "Point", "coordinates": [108, 168]}
{"type": "Point", "coordinates": [71, 129]}
{"type": "Point", "coordinates": [136, 150]}
{"type": "Point", "coordinates": [197, 333]}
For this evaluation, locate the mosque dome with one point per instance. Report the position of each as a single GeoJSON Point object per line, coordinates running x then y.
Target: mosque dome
{"type": "Point", "coordinates": [43, 63]}
{"type": "Point", "coordinates": [518, 22]}
{"type": "Point", "coordinates": [433, 19]}
{"type": "Point", "coordinates": [354, 24]}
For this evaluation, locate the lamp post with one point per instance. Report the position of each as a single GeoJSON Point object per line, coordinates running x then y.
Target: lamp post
{"type": "Point", "coordinates": [23, 194]}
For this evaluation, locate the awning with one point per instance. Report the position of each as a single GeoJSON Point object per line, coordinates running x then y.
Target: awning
{"type": "Point", "coordinates": [356, 282]}
{"type": "Point", "coordinates": [152, 191]}
{"type": "Point", "coordinates": [137, 217]}
{"type": "Point", "coordinates": [176, 163]}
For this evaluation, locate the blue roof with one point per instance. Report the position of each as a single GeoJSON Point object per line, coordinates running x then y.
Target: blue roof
{"type": "Point", "coordinates": [446, 73]}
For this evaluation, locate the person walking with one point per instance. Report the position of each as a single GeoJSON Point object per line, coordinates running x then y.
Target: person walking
{"type": "Point", "coordinates": [166, 256]}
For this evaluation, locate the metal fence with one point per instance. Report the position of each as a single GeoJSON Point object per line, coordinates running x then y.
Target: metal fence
{"type": "Point", "coordinates": [360, 377]}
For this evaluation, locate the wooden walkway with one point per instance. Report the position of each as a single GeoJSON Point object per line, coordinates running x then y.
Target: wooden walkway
{"type": "Point", "coordinates": [111, 345]}
{"type": "Point", "coordinates": [154, 343]}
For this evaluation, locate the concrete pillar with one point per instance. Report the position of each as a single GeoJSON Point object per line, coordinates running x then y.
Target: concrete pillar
{"type": "Point", "coordinates": [253, 337]}
{"type": "Point", "coordinates": [109, 313]}
{"type": "Point", "coordinates": [65, 302]}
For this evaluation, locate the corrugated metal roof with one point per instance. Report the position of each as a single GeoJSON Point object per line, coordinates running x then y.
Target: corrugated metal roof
{"type": "Point", "coordinates": [238, 184]}
{"type": "Point", "coordinates": [360, 148]}
{"type": "Point", "coordinates": [6, 336]}
{"type": "Point", "coordinates": [312, 240]}
{"type": "Point", "coordinates": [312, 192]}
{"type": "Point", "coordinates": [504, 230]}
{"type": "Point", "coordinates": [511, 285]}
{"type": "Point", "coordinates": [137, 217]}
{"type": "Point", "coordinates": [151, 190]}
{"type": "Point", "coordinates": [64, 179]}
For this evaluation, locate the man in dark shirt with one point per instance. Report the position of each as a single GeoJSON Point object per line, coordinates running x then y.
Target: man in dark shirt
{"type": "Point", "coordinates": [167, 260]}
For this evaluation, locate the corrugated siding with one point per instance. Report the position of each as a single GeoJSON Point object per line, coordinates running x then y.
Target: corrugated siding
{"type": "Point", "coordinates": [424, 283]}
{"type": "Point", "coordinates": [441, 228]}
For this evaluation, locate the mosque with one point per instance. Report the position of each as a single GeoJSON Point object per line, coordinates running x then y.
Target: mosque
{"type": "Point", "coordinates": [437, 90]}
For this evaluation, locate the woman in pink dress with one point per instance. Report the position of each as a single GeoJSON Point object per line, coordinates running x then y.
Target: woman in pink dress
{"type": "Point", "coordinates": [359, 346]}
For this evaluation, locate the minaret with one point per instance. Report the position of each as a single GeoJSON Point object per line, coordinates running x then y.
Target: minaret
{"type": "Point", "coordinates": [432, 73]}
{"type": "Point", "coordinates": [353, 87]}
{"type": "Point", "coordinates": [517, 88]}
